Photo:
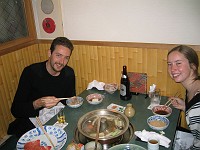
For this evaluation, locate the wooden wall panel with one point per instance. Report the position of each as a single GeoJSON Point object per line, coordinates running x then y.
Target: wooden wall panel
{"type": "Point", "coordinates": [11, 66]}
{"type": "Point", "coordinates": [90, 62]}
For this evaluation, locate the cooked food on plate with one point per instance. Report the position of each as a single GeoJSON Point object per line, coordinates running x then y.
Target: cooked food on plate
{"type": "Point", "coordinates": [35, 145]}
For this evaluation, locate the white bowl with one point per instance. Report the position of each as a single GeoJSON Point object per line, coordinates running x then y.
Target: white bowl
{"type": "Point", "coordinates": [162, 110]}
{"type": "Point", "coordinates": [91, 146]}
{"type": "Point", "coordinates": [157, 122]}
{"type": "Point", "coordinates": [110, 88]}
{"type": "Point", "coordinates": [75, 102]}
{"type": "Point", "coordinates": [95, 98]}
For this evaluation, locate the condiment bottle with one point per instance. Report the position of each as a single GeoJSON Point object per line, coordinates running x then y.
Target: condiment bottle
{"type": "Point", "coordinates": [129, 110]}
{"type": "Point", "coordinates": [125, 93]}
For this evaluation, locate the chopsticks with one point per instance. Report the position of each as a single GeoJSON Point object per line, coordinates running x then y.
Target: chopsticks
{"type": "Point", "coordinates": [46, 134]}
{"type": "Point", "coordinates": [66, 98]}
{"type": "Point", "coordinates": [97, 135]}
{"type": "Point", "coordinates": [169, 102]}
{"type": "Point", "coordinates": [63, 98]}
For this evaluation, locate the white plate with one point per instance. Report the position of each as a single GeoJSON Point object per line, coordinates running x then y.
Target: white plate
{"type": "Point", "coordinates": [116, 108]}
{"type": "Point", "coordinates": [57, 135]}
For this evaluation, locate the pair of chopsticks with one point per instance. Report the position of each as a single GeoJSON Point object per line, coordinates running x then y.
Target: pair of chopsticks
{"type": "Point", "coordinates": [46, 134]}
{"type": "Point", "coordinates": [97, 135]}
{"type": "Point", "coordinates": [66, 98]}
{"type": "Point", "coordinates": [63, 98]}
{"type": "Point", "coordinates": [169, 102]}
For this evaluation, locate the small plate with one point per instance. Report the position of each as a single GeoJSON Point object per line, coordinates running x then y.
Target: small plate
{"type": "Point", "coordinates": [116, 108]}
{"type": "Point", "coordinates": [95, 98]}
{"type": "Point", "coordinates": [127, 147]}
{"type": "Point", "coordinates": [57, 135]}
{"type": "Point", "coordinates": [75, 102]}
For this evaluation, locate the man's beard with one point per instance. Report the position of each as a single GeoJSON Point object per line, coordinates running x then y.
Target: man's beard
{"type": "Point", "coordinates": [54, 67]}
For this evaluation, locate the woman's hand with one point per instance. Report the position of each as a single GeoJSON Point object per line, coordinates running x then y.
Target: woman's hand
{"type": "Point", "coordinates": [178, 103]}
{"type": "Point", "coordinates": [46, 102]}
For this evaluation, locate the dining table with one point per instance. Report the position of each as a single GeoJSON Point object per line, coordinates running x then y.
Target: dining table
{"type": "Point", "coordinates": [140, 103]}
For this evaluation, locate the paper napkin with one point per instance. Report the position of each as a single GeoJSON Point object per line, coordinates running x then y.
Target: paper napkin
{"type": "Point", "coordinates": [46, 114]}
{"type": "Point", "coordinates": [96, 84]}
{"type": "Point", "coordinates": [152, 88]}
{"type": "Point", "coordinates": [145, 135]}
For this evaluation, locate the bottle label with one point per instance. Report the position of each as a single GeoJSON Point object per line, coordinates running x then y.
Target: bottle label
{"type": "Point", "coordinates": [124, 76]}
{"type": "Point", "coordinates": [122, 90]}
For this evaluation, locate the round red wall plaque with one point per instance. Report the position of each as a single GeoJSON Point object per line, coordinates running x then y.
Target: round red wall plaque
{"type": "Point", "coordinates": [49, 25]}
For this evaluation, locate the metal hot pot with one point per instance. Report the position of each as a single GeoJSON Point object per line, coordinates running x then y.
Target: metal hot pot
{"type": "Point", "coordinates": [113, 127]}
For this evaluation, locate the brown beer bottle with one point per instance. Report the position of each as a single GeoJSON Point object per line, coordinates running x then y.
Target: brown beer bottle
{"type": "Point", "coordinates": [125, 93]}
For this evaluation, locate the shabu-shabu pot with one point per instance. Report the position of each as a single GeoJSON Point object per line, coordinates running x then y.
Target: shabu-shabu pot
{"type": "Point", "coordinates": [112, 125]}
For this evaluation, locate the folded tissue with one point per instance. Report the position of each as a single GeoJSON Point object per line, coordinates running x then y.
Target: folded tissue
{"type": "Point", "coordinates": [145, 135]}
{"type": "Point", "coordinates": [152, 88]}
{"type": "Point", "coordinates": [96, 84]}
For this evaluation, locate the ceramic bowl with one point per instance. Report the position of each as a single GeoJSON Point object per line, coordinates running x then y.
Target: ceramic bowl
{"type": "Point", "coordinates": [110, 88]}
{"type": "Point", "coordinates": [75, 102]}
{"type": "Point", "coordinates": [162, 110]}
{"type": "Point", "coordinates": [157, 122]}
{"type": "Point", "coordinates": [91, 146]}
{"type": "Point", "coordinates": [95, 98]}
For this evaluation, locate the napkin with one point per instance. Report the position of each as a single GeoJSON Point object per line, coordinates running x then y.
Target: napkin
{"type": "Point", "coordinates": [145, 135]}
{"type": "Point", "coordinates": [96, 84]}
{"type": "Point", "coordinates": [46, 114]}
{"type": "Point", "coordinates": [152, 88]}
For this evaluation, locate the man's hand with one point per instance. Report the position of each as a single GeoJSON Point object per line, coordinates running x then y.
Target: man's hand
{"type": "Point", "coordinates": [46, 102]}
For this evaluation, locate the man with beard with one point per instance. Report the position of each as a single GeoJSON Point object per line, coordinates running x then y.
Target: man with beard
{"type": "Point", "coordinates": [41, 84]}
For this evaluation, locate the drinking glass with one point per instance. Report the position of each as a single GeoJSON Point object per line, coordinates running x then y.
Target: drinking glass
{"type": "Point", "coordinates": [61, 116]}
{"type": "Point", "coordinates": [155, 98]}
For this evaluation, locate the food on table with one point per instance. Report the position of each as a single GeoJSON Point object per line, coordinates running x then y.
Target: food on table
{"type": "Point", "coordinates": [94, 100]}
{"type": "Point", "coordinates": [157, 123]}
{"type": "Point", "coordinates": [111, 88]}
{"type": "Point", "coordinates": [114, 126]}
{"type": "Point", "coordinates": [114, 107]}
{"type": "Point", "coordinates": [161, 112]}
{"type": "Point", "coordinates": [74, 146]}
{"type": "Point", "coordinates": [74, 101]}
{"type": "Point", "coordinates": [35, 145]}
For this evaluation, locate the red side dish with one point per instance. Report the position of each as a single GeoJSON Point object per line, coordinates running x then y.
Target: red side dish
{"type": "Point", "coordinates": [35, 145]}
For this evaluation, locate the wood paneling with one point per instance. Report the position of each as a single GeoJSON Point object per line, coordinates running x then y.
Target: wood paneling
{"type": "Point", "coordinates": [102, 62]}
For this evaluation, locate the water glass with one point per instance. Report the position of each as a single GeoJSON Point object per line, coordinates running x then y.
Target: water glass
{"type": "Point", "coordinates": [155, 98]}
